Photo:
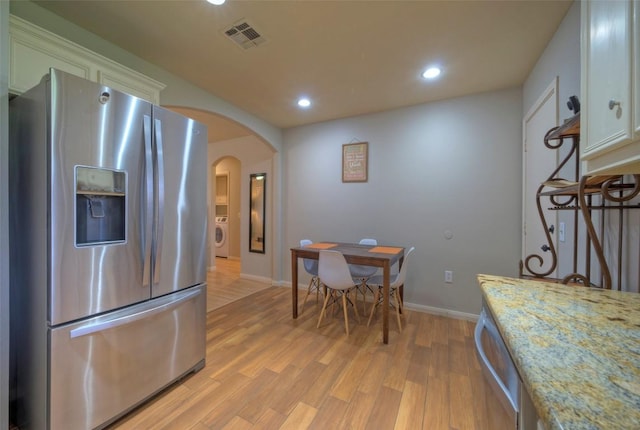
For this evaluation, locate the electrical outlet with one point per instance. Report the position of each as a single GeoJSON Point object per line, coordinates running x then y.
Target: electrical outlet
{"type": "Point", "coordinates": [448, 276]}
{"type": "Point", "coordinates": [561, 232]}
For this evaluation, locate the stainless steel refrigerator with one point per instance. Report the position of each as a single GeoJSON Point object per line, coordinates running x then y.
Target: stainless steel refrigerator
{"type": "Point", "coordinates": [108, 252]}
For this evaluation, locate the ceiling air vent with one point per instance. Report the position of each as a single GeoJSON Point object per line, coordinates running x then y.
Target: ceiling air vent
{"type": "Point", "coordinates": [244, 35]}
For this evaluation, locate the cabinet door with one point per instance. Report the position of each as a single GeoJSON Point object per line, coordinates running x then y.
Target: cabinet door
{"type": "Point", "coordinates": [33, 52]}
{"type": "Point", "coordinates": [606, 75]}
{"type": "Point", "coordinates": [132, 83]}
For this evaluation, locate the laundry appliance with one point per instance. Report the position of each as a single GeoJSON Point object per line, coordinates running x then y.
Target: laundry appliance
{"type": "Point", "coordinates": [222, 236]}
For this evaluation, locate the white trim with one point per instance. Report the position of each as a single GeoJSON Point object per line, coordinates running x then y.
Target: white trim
{"type": "Point", "coordinates": [262, 279]}
{"type": "Point", "coordinates": [550, 93]}
{"type": "Point", "coordinates": [441, 311]}
{"type": "Point", "coordinates": [411, 306]}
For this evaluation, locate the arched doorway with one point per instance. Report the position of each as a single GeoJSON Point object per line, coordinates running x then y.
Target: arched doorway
{"type": "Point", "coordinates": [225, 200]}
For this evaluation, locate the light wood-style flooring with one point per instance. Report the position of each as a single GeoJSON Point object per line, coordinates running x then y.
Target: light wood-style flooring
{"type": "Point", "coordinates": [225, 286]}
{"type": "Point", "coordinates": [265, 370]}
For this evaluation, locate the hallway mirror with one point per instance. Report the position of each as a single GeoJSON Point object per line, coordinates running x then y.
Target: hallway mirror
{"type": "Point", "coordinates": [257, 216]}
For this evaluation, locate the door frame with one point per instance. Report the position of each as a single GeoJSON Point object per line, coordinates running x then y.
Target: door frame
{"type": "Point", "coordinates": [549, 95]}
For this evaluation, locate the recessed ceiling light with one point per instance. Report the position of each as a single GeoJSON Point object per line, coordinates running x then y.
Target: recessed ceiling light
{"type": "Point", "coordinates": [216, 2]}
{"type": "Point", "coordinates": [431, 73]}
{"type": "Point", "coordinates": [304, 102]}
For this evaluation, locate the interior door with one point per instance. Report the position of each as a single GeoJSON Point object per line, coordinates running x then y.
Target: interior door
{"type": "Point", "coordinates": [539, 163]}
{"type": "Point", "coordinates": [181, 219]}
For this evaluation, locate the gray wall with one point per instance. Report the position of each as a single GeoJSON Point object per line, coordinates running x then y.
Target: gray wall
{"type": "Point", "coordinates": [453, 165]}
{"type": "Point", "coordinates": [4, 218]}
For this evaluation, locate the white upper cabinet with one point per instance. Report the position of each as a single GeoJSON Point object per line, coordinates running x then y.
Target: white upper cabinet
{"type": "Point", "coordinates": [34, 50]}
{"type": "Point", "coordinates": [610, 118]}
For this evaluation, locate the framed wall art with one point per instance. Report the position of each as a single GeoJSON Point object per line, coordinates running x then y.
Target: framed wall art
{"type": "Point", "coordinates": [355, 162]}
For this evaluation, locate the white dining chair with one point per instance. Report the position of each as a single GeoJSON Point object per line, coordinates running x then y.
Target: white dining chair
{"type": "Point", "coordinates": [394, 289]}
{"type": "Point", "coordinates": [362, 273]}
{"type": "Point", "coordinates": [311, 267]}
{"type": "Point", "coordinates": [333, 271]}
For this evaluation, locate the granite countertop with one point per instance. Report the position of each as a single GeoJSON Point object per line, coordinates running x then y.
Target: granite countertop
{"type": "Point", "coordinates": [577, 350]}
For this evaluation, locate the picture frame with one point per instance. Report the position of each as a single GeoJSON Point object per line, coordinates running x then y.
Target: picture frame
{"type": "Point", "coordinates": [355, 162]}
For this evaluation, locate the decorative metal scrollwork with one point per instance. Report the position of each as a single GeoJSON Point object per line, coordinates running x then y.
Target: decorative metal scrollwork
{"type": "Point", "coordinates": [576, 278]}
{"type": "Point", "coordinates": [613, 186]}
{"type": "Point", "coordinates": [615, 191]}
{"type": "Point", "coordinates": [549, 247]}
{"type": "Point", "coordinates": [608, 187]}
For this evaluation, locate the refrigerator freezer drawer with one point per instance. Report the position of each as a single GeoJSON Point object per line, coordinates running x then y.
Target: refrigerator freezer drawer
{"type": "Point", "coordinates": [104, 366]}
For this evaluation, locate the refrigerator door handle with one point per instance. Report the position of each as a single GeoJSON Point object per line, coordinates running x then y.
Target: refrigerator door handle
{"type": "Point", "coordinates": [159, 202]}
{"type": "Point", "coordinates": [118, 321]}
{"type": "Point", "coordinates": [145, 218]}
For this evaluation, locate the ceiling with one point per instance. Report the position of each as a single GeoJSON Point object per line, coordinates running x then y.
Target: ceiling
{"type": "Point", "coordinates": [349, 57]}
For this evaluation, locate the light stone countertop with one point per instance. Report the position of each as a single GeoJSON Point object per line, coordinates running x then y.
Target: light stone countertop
{"type": "Point", "coordinates": [577, 350]}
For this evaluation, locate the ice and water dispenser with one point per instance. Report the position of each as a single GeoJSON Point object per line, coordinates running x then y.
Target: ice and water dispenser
{"type": "Point", "coordinates": [100, 206]}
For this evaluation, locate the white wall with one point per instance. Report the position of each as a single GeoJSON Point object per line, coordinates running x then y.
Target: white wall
{"type": "Point", "coordinates": [452, 165]}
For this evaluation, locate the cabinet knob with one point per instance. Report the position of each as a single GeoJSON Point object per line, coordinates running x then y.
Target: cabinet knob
{"type": "Point", "coordinates": [613, 103]}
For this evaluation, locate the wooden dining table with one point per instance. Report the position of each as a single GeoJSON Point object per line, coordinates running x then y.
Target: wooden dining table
{"type": "Point", "coordinates": [367, 255]}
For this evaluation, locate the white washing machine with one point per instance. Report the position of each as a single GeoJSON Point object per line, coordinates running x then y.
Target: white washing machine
{"type": "Point", "coordinates": [222, 236]}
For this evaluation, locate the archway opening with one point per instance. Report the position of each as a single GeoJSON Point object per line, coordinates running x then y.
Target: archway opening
{"type": "Point", "coordinates": [225, 207]}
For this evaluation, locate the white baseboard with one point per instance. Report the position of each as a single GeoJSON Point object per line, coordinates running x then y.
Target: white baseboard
{"type": "Point", "coordinates": [440, 311]}
{"type": "Point", "coordinates": [411, 306]}
{"type": "Point", "coordinates": [262, 279]}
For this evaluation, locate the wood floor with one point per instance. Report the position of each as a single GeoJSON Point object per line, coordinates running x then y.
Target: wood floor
{"type": "Point", "coordinates": [225, 286]}
{"type": "Point", "coordinates": [265, 370]}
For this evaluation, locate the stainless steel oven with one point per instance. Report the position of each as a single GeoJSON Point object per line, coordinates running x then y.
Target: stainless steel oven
{"type": "Point", "coordinates": [508, 403]}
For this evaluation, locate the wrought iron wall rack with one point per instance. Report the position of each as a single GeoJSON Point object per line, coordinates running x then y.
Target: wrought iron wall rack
{"type": "Point", "coordinates": [612, 192]}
